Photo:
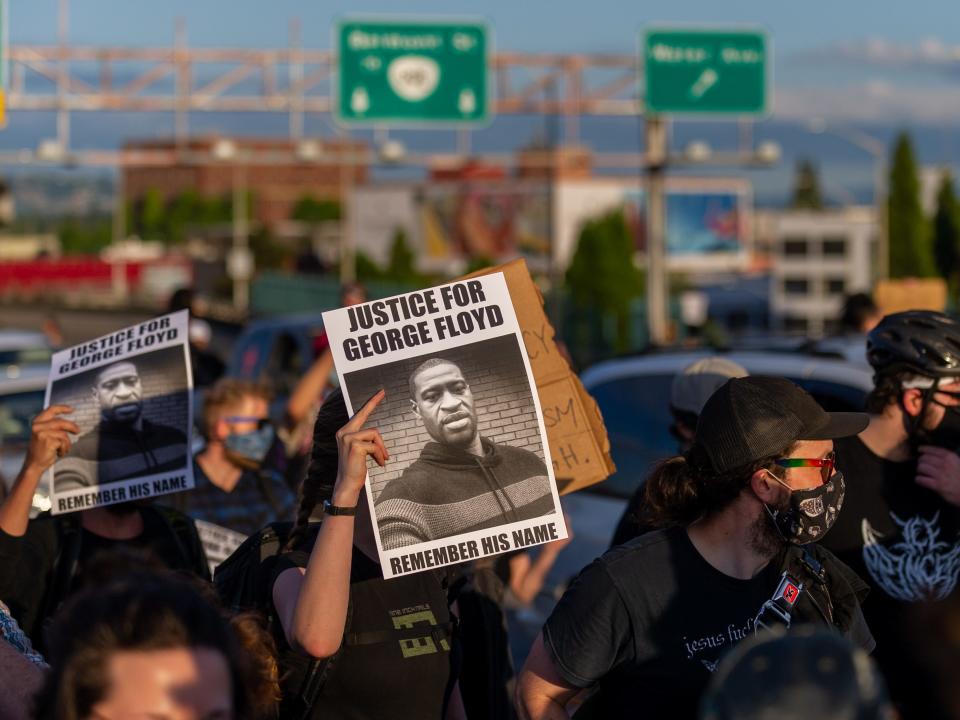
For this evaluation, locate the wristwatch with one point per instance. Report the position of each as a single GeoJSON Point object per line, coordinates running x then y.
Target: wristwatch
{"type": "Point", "coordinates": [330, 509]}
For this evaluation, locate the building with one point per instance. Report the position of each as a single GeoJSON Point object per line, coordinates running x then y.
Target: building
{"type": "Point", "coordinates": [276, 172]}
{"type": "Point", "coordinates": [817, 258]}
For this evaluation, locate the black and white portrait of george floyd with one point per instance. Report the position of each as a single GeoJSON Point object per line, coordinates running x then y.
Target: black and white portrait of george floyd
{"type": "Point", "coordinates": [462, 432]}
{"type": "Point", "coordinates": [469, 472]}
{"type": "Point", "coordinates": [134, 413]}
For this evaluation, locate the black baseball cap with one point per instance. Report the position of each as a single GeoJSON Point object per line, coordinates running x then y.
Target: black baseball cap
{"type": "Point", "coordinates": [751, 418]}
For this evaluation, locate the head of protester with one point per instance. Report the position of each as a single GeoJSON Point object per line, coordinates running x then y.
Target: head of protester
{"type": "Point", "coordinates": [690, 390]}
{"type": "Point", "coordinates": [733, 556]}
{"type": "Point", "coordinates": [900, 528]}
{"type": "Point", "coordinates": [915, 356]}
{"type": "Point", "coordinates": [145, 646]}
{"type": "Point", "coordinates": [859, 314]}
{"type": "Point", "coordinates": [765, 444]}
{"type": "Point", "coordinates": [236, 421]}
{"type": "Point", "coordinates": [237, 485]}
{"type": "Point", "coordinates": [805, 673]}
{"type": "Point", "coordinates": [331, 597]}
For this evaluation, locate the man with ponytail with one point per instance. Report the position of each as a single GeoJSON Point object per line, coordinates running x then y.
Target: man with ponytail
{"type": "Point", "coordinates": [644, 626]}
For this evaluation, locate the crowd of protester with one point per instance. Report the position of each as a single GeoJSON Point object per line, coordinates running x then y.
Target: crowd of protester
{"type": "Point", "coordinates": [748, 578]}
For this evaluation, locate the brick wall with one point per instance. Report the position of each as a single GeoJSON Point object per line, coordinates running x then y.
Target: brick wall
{"type": "Point", "coordinates": [164, 380]}
{"type": "Point", "coordinates": [501, 392]}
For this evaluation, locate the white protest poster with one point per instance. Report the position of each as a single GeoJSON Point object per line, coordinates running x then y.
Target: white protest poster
{"type": "Point", "coordinates": [469, 473]}
{"type": "Point", "coordinates": [131, 395]}
{"type": "Point", "coordinates": [218, 542]}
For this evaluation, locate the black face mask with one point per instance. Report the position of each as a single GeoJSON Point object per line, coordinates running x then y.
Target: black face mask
{"type": "Point", "coordinates": [811, 513]}
{"type": "Point", "coordinates": [947, 433]}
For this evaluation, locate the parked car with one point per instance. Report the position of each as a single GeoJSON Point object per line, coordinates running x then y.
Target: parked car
{"type": "Point", "coordinates": [277, 351]}
{"type": "Point", "coordinates": [21, 400]}
{"type": "Point", "coordinates": [633, 395]}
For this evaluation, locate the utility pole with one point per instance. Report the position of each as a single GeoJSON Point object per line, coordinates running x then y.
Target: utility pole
{"type": "Point", "coordinates": [656, 145]}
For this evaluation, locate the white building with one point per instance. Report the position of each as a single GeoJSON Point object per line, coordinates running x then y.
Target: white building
{"type": "Point", "coordinates": [817, 258]}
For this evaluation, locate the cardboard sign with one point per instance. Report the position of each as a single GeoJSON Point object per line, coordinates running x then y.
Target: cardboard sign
{"type": "Point", "coordinates": [579, 446]}
{"type": "Point", "coordinates": [911, 294]}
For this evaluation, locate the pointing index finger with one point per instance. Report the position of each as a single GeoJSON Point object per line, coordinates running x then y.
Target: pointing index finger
{"type": "Point", "coordinates": [358, 420]}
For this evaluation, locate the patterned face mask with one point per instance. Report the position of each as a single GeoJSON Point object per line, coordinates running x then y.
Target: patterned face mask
{"type": "Point", "coordinates": [811, 513]}
{"type": "Point", "coordinates": [249, 449]}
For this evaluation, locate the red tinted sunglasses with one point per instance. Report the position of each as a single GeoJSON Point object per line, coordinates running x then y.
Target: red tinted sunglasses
{"type": "Point", "coordinates": [826, 464]}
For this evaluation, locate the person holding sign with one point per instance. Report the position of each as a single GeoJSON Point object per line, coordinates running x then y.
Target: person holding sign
{"type": "Point", "coordinates": [124, 444]}
{"type": "Point", "coordinates": [333, 601]}
{"type": "Point", "coordinates": [462, 482]}
{"type": "Point", "coordinates": [42, 561]}
{"type": "Point", "coordinates": [651, 619]}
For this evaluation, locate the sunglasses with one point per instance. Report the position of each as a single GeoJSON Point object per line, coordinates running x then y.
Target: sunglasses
{"type": "Point", "coordinates": [826, 464]}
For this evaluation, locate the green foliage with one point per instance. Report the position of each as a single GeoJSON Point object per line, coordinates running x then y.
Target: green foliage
{"type": "Point", "coordinates": [85, 237]}
{"type": "Point", "coordinates": [909, 240]}
{"type": "Point", "coordinates": [268, 254]}
{"type": "Point", "coordinates": [152, 218]}
{"type": "Point", "coordinates": [311, 210]}
{"type": "Point", "coordinates": [946, 230]}
{"type": "Point", "coordinates": [401, 267]}
{"type": "Point", "coordinates": [367, 270]}
{"type": "Point", "coordinates": [478, 263]}
{"type": "Point", "coordinates": [602, 277]}
{"type": "Point", "coordinates": [806, 187]}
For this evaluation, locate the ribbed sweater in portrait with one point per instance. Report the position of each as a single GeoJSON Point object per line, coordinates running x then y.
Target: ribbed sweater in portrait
{"type": "Point", "coordinates": [448, 491]}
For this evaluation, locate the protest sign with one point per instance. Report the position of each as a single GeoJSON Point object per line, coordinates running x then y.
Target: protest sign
{"type": "Point", "coordinates": [470, 472]}
{"type": "Point", "coordinates": [578, 439]}
{"type": "Point", "coordinates": [218, 542]}
{"type": "Point", "coordinates": [131, 397]}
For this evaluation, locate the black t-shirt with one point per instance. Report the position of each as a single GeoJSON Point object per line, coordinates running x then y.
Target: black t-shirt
{"type": "Point", "coordinates": [650, 620]}
{"type": "Point", "coordinates": [903, 540]}
{"type": "Point", "coordinates": [396, 660]}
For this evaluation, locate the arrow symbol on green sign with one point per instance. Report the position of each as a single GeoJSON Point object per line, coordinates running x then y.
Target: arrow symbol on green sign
{"type": "Point", "coordinates": [708, 78]}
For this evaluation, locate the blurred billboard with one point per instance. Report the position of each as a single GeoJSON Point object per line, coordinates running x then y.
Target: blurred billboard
{"type": "Point", "coordinates": [448, 224]}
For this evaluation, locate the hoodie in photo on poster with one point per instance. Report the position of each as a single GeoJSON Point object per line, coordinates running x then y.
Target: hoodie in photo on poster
{"type": "Point", "coordinates": [132, 397]}
{"type": "Point", "coordinates": [470, 473]}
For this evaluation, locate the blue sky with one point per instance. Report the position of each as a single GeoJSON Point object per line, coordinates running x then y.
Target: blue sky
{"type": "Point", "coordinates": [850, 62]}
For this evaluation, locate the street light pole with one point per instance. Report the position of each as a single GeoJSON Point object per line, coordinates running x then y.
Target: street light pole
{"type": "Point", "coordinates": [656, 144]}
{"type": "Point", "coordinates": [876, 149]}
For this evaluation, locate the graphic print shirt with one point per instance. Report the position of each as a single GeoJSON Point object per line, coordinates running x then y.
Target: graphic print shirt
{"type": "Point", "coordinates": [650, 620]}
{"type": "Point", "coordinates": [903, 540]}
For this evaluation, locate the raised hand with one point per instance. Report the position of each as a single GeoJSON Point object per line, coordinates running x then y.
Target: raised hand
{"type": "Point", "coordinates": [355, 443]}
{"type": "Point", "coordinates": [49, 439]}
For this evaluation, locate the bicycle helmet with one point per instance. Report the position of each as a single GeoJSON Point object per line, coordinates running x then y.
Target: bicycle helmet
{"type": "Point", "coordinates": [923, 341]}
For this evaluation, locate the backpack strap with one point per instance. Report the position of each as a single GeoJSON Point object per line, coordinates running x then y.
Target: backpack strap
{"type": "Point", "coordinates": [804, 575]}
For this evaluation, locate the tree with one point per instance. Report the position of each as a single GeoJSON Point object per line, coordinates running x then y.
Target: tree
{"type": "Point", "coordinates": [401, 267]}
{"type": "Point", "coordinates": [602, 276]}
{"type": "Point", "coordinates": [309, 209]}
{"type": "Point", "coordinates": [909, 240]}
{"type": "Point", "coordinates": [946, 230]}
{"type": "Point", "coordinates": [806, 187]}
{"type": "Point", "coordinates": [152, 216]}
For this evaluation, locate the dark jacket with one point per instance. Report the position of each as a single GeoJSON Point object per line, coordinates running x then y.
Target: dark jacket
{"type": "Point", "coordinates": [40, 568]}
{"type": "Point", "coordinates": [448, 491]}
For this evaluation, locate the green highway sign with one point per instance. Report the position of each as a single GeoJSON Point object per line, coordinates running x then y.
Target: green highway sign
{"type": "Point", "coordinates": [398, 72]}
{"type": "Point", "coordinates": [705, 72]}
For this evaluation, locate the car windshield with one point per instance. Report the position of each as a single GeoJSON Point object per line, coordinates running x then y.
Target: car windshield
{"type": "Point", "coordinates": [637, 416]}
{"type": "Point", "coordinates": [636, 412]}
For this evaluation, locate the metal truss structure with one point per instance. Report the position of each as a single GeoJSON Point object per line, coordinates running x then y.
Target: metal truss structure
{"type": "Point", "coordinates": [183, 80]}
